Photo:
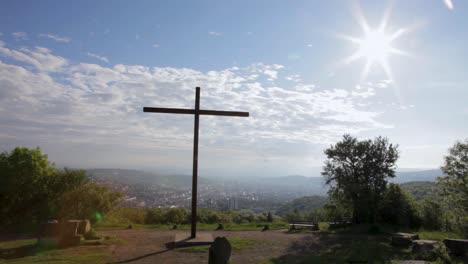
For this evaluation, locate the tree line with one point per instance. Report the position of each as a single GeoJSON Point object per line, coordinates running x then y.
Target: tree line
{"type": "Point", "coordinates": [358, 173]}
{"type": "Point", "coordinates": [33, 190]}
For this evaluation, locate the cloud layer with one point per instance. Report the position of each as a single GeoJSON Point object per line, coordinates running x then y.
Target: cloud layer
{"type": "Point", "coordinates": [46, 99]}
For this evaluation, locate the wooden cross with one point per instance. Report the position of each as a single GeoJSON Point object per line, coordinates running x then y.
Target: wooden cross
{"type": "Point", "coordinates": [196, 112]}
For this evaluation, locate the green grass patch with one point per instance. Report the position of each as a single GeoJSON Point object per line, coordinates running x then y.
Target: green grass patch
{"type": "Point", "coordinates": [436, 235]}
{"type": "Point", "coordinates": [30, 251]}
{"type": "Point", "coordinates": [60, 257]}
{"type": "Point", "coordinates": [200, 226]}
{"type": "Point", "coordinates": [17, 243]}
{"type": "Point", "coordinates": [237, 244]}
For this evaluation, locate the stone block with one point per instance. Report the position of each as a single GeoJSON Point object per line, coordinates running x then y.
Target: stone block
{"type": "Point", "coordinates": [84, 227]}
{"type": "Point", "coordinates": [424, 247]}
{"type": "Point", "coordinates": [403, 239]}
{"type": "Point", "coordinates": [457, 247]}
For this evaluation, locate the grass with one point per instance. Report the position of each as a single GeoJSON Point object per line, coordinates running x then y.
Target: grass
{"type": "Point", "coordinates": [200, 226]}
{"type": "Point", "coordinates": [237, 244]}
{"type": "Point", "coordinates": [29, 251]}
{"type": "Point", "coordinates": [437, 235]}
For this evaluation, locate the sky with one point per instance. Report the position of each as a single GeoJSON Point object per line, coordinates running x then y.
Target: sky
{"type": "Point", "coordinates": [75, 75]}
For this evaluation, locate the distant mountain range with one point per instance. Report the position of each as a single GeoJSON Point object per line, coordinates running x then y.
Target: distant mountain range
{"type": "Point", "coordinates": [424, 175]}
{"type": "Point", "coordinates": [293, 184]}
{"type": "Point", "coordinates": [144, 178]}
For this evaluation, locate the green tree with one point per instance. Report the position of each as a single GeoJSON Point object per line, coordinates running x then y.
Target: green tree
{"type": "Point", "coordinates": [24, 194]}
{"type": "Point", "coordinates": [398, 207]}
{"type": "Point", "coordinates": [87, 201]}
{"type": "Point", "coordinates": [432, 214]}
{"type": "Point", "coordinates": [453, 186]}
{"type": "Point", "coordinates": [358, 171]}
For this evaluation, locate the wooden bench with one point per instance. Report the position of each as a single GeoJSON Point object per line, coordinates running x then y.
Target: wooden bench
{"type": "Point", "coordinates": [339, 224]}
{"type": "Point", "coordinates": [311, 225]}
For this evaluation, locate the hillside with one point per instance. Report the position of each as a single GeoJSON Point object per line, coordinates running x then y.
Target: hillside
{"type": "Point", "coordinates": [420, 189]}
{"type": "Point", "coordinates": [411, 176]}
{"type": "Point", "coordinates": [304, 204]}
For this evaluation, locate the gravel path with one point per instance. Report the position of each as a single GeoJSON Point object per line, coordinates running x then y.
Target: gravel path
{"type": "Point", "coordinates": [148, 246]}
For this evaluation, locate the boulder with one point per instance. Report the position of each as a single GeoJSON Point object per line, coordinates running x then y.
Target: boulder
{"type": "Point", "coordinates": [424, 247]}
{"type": "Point", "coordinates": [457, 247]}
{"type": "Point", "coordinates": [220, 251]}
{"type": "Point", "coordinates": [403, 239]}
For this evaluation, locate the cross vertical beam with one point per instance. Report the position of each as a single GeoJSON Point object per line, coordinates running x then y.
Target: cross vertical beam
{"type": "Point", "coordinates": [196, 112]}
{"type": "Point", "coordinates": [193, 229]}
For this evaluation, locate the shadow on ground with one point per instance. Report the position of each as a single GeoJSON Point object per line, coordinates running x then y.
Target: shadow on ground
{"type": "Point", "coordinates": [339, 248]}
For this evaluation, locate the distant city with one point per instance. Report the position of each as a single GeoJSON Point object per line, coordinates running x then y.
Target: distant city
{"type": "Point", "coordinates": [145, 189]}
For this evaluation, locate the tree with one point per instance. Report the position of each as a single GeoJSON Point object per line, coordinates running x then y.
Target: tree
{"type": "Point", "coordinates": [398, 207]}
{"type": "Point", "coordinates": [358, 171]}
{"type": "Point", "coordinates": [432, 214]}
{"type": "Point", "coordinates": [454, 184]}
{"type": "Point", "coordinates": [87, 201]}
{"type": "Point", "coordinates": [269, 217]}
{"type": "Point", "coordinates": [24, 177]}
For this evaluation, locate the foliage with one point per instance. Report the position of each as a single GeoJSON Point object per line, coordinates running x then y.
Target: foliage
{"type": "Point", "coordinates": [358, 171]}
{"type": "Point", "coordinates": [421, 189]}
{"type": "Point", "coordinates": [432, 215]}
{"type": "Point", "coordinates": [306, 203]}
{"type": "Point", "coordinates": [87, 201]}
{"type": "Point", "coordinates": [27, 170]}
{"type": "Point", "coordinates": [454, 184]}
{"type": "Point", "coordinates": [399, 208]}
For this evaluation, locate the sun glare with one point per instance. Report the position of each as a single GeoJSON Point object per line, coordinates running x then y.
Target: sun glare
{"type": "Point", "coordinates": [375, 46]}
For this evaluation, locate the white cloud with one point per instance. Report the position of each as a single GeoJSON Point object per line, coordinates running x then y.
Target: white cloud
{"type": "Point", "coordinates": [99, 107]}
{"type": "Point", "coordinates": [55, 37]}
{"type": "Point", "coordinates": [214, 33]}
{"type": "Point", "coordinates": [20, 35]}
{"type": "Point", "coordinates": [101, 58]}
{"type": "Point", "coordinates": [155, 45]}
{"type": "Point", "coordinates": [40, 58]}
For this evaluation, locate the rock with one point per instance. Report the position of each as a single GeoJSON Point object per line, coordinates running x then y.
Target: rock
{"type": "Point", "coordinates": [49, 229]}
{"type": "Point", "coordinates": [84, 227]}
{"type": "Point", "coordinates": [403, 239]}
{"type": "Point", "coordinates": [220, 251]}
{"type": "Point", "coordinates": [457, 247]}
{"type": "Point", "coordinates": [424, 247]}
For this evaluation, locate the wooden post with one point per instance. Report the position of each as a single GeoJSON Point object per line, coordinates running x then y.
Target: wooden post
{"type": "Point", "coordinates": [196, 112]}
{"type": "Point", "coordinates": [193, 230]}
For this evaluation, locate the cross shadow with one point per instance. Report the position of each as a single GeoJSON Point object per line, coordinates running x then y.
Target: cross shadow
{"type": "Point", "coordinates": [18, 252]}
{"type": "Point", "coordinates": [169, 247]}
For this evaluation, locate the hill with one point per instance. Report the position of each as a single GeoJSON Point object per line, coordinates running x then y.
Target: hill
{"type": "Point", "coordinates": [420, 189]}
{"type": "Point", "coordinates": [136, 177]}
{"type": "Point", "coordinates": [410, 176]}
{"type": "Point", "coordinates": [303, 204]}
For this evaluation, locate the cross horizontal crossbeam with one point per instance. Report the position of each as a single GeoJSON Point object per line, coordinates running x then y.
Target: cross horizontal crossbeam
{"type": "Point", "coordinates": [192, 111]}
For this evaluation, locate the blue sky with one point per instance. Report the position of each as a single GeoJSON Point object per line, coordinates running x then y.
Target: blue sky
{"type": "Point", "coordinates": [74, 77]}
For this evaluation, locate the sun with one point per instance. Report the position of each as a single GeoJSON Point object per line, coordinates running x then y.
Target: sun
{"type": "Point", "coordinates": [375, 46]}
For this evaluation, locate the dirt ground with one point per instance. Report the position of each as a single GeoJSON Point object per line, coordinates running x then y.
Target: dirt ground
{"type": "Point", "coordinates": [148, 246]}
